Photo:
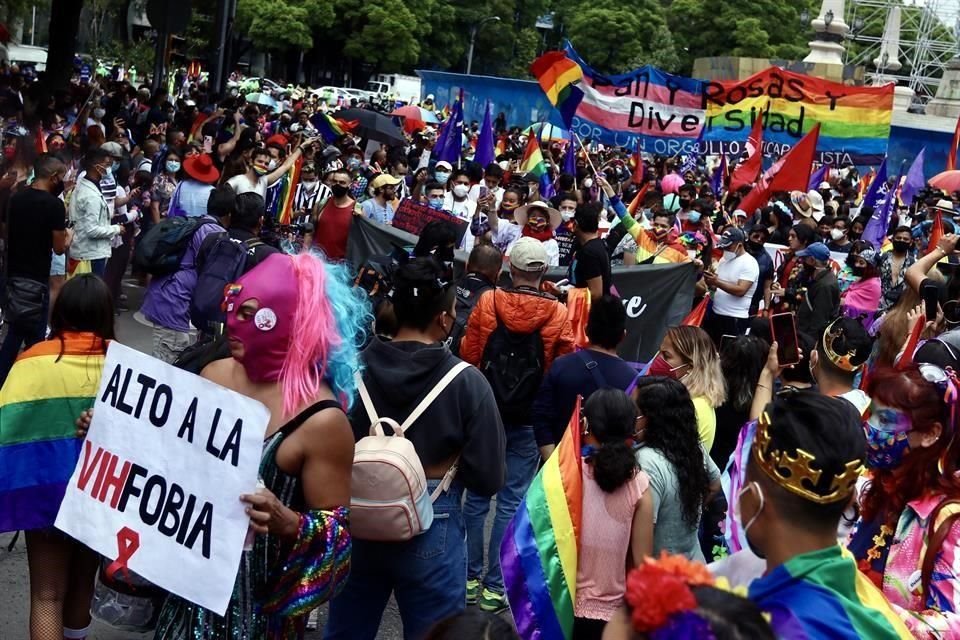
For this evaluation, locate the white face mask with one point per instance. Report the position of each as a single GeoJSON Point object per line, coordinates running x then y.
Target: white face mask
{"type": "Point", "coordinates": [836, 234]}
{"type": "Point", "coordinates": [272, 164]}
{"type": "Point", "coordinates": [587, 183]}
{"type": "Point", "coordinates": [567, 214]}
{"type": "Point", "coordinates": [504, 164]}
{"type": "Point", "coordinates": [461, 190]}
{"type": "Point", "coordinates": [729, 255]}
{"type": "Point", "coordinates": [99, 113]}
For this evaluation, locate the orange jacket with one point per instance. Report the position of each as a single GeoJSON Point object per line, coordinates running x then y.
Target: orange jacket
{"type": "Point", "coordinates": [522, 312]}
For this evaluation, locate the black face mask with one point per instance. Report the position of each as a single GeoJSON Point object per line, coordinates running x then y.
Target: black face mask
{"type": "Point", "coordinates": [753, 248]}
{"type": "Point", "coordinates": [899, 246]}
{"type": "Point", "coordinates": [684, 203]}
{"type": "Point", "coordinates": [809, 270]}
{"type": "Point", "coordinates": [858, 271]}
{"type": "Point", "coordinates": [339, 190]}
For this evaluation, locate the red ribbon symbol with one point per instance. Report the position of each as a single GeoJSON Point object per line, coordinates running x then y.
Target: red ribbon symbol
{"type": "Point", "coordinates": [128, 541]}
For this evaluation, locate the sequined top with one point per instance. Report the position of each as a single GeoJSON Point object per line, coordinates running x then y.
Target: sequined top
{"type": "Point", "coordinates": [244, 618]}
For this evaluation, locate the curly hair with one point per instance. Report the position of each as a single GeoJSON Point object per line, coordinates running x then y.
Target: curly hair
{"type": "Point", "coordinates": [672, 430]}
{"type": "Point", "coordinates": [920, 472]}
{"type": "Point", "coordinates": [741, 361]}
{"type": "Point", "coordinates": [705, 377]}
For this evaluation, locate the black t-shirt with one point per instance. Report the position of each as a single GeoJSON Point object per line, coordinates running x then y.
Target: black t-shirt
{"type": "Point", "coordinates": [33, 216]}
{"type": "Point", "coordinates": [590, 261]}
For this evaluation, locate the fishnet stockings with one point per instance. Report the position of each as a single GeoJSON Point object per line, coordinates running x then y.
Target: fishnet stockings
{"type": "Point", "coordinates": [62, 573]}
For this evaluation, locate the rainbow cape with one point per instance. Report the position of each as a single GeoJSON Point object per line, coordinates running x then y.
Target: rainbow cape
{"type": "Point", "coordinates": [822, 594]}
{"type": "Point", "coordinates": [39, 405]}
{"type": "Point", "coordinates": [646, 246]}
{"type": "Point", "coordinates": [557, 75]}
{"type": "Point", "coordinates": [331, 128]}
{"type": "Point", "coordinates": [538, 555]}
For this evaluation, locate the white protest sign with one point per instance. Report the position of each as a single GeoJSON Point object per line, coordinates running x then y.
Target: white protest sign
{"type": "Point", "coordinates": [159, 479]}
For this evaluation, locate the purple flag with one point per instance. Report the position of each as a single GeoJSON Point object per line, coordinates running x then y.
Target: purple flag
{"type": "Point", "coordinates": [915, 181]}
{"type": "Point", "coordinates": [817, 177]}
{"type": "Point", "coordinates": [716, 182]}
{"type": "Point", "coordinates": [570, 157]}
{"type": "Point", "coordinates": [450, 142]}
{"type": "Point", "coordinates": [484, 154]}
{"type": "Point", "coordinates": [877, 188]}
{"type": "Point", "coordinates": [876, 230]}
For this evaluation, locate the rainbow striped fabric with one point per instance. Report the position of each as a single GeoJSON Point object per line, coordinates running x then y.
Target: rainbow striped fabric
{"type": "Point", "coordinates": [534, 163]}
{"type": "Point", "coordinates": [822, 594]}
{"type": "Point", "coordinates": [647, 247]}
{"type": "Point", "coordinates": [557, 75]}
{"type": "Point", "coordinates": [287, 191]}
{"type": "Point", "coordinates": [331, 128]}
{"type": "Point", "coordinates": [538, 555]}
{"type": "Point", "coordinates": [40, 402]}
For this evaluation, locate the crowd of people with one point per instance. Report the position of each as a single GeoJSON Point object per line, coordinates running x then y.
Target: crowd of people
{"type": "Point", "coordinates": [825, 485]}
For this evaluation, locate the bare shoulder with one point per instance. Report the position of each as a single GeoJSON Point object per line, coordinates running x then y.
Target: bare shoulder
{"type": "Point", "coordinates": [219, 371]}
{"type": "Point", "coordinates": [327, 431]}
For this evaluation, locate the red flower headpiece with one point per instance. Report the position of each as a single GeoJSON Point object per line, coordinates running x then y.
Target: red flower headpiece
{"type": "Point", "coordinates": [658, 589]}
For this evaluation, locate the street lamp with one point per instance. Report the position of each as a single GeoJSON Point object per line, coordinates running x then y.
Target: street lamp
{"type": "Point", "coordinates": [473, 36]}
{"type": "Point", "coordinates": [805, 18]}
{"type": "Point", "coordinates": [828, 18]}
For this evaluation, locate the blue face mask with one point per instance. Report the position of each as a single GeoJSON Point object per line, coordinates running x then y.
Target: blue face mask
{"type": "Point", "coordinates": [887, 439]}
{"type": "Point", "coordinates": [442, 177]}
{"type": "Point", "coordinates": [113, 167]}
{"type": "Point", "coordinates": [436, 203]}
{"type": "Point", "coordinates": [693, 217]}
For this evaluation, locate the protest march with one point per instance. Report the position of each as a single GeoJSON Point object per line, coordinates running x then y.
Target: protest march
{"type": "Point", "coordinates": [665, 356]}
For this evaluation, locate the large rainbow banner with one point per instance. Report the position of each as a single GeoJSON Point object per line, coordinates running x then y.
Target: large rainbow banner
{"type": "Point", "coordinates": [662, 113]}
{"type": "Point", "coordinates": [854, 121]}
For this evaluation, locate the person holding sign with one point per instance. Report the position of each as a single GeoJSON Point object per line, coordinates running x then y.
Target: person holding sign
{"type": "Point", "coordinates": [48, 386]}
{"type": "Point", "coordinates": [293, 326]}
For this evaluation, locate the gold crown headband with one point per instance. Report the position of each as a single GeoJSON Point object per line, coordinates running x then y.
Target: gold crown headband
{"type": "Point", "coordinates": [841, 361]}
{"type": "Point", "coordinates": [774, 463]}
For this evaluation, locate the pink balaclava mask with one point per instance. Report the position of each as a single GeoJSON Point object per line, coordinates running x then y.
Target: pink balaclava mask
{"type": "Point", "coordinates": [266, 336]}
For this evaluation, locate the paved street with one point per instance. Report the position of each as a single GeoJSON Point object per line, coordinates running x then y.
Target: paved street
{"type": "Point", "coordinates": [14, 584]}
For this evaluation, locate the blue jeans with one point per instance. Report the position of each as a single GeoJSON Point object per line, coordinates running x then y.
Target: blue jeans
{"type": "Point", "coordinates": [98, 267]}
{"type": "Point", "coordinates": [24, 337]}
{"type": "Point", "coordinates": [522, 459]}
{"type": "Point", "coordinates": [426, 575]}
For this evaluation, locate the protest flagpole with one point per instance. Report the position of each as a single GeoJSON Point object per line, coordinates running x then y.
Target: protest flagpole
{"type": "Point", "coordinates": [589, 161]}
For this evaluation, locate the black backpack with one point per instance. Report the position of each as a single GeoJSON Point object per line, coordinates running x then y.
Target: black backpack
{"type": "Point", "coordinates": [513, 365]}
{"type": "Point", "coordinates": [218, 264]}
{"type": "Point", "coordinates": [161, 250]}
{"type": "Point", "coordinates": [466, 301]}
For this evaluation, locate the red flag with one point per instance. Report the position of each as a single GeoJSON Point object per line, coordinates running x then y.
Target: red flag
{"type": "Point", "coordinates": [637, 200]}
{"type": "Point", "coordinates": [695, 317]}
{"type": "Point", "coordinates": [794, 171]}
{"type": "Point", "coordinates": [746, 172]}
{"type": "Point", "coordinates": [935, 233]}
{"type": "Point", "coordinates": [789, 173]}
{"type": "Point", "coordinates": [638, 172]}
{"type": "Point", "coordinates": [952, 157]}
{"type": "Point", "coordinates": [907, 358]}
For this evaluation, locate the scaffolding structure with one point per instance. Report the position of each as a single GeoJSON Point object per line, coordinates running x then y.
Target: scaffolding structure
{"type": "Point", "coordinates": [923, 51]}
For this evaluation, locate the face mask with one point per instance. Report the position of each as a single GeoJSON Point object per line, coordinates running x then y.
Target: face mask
{"type": "Point", "coordinates": [660, 367]}
{"type": "Point", "coordinates": [9, 152]}
{"type": "Point", "coordinates": [729, 255]}
{"type": "Point", "coordinates": [567, 214]}
{"type": "Point", "coordinates": [587, 183]}
{"type": "Point", "coordinates": [537, 224]}
{"type": "Point", "coordinates": [836, 234]}
{"type": "Point", "coordinates": [339, 190]}
{"type": "Point", "coordinates": [887, 431]}
{"type": "Point", "coordinates": [272, 164]}
{"type": "Point", "coordinates": [694, 217]}
{"type": "Point", "coordinates": [113, 167]}
{"type": "Point", "coordinates": [353, 162]}
{"type": "Point", "coordinates": [754, 247]}
{"type": "Point", "coordinates": [858, 271]}
{"type": "Point", "coordinates": [684, 203]}
{"type": "Point", "coordinates": [173, 166]}
{"type": "Point", "coordinates": [442, 176]}
{"type": "Point", "coordinates": [746, 527]}
{"type": "Point", "coordinates": [436, 203]}
{"type": "Point", "coordinates": [309, 183]}
{"type": "Point", "coordinates": [854, 235]}
{"type": "Point", "coordinates": [99, 113]}
{"type": "Point", "coordinates": [809, 269]}
{"type": "Point", "coordinates": [899, 246]}
{"type": "Point", "coordinates": [660, 234]}
{"type": "Point", "coordinates": [265, 337]}
{"type": "Point", "coordinates": [260, 170]}
{"type": "Point", "coordinates": [461, 190]}
{"type": "Point", "coordinates": [504, 164]}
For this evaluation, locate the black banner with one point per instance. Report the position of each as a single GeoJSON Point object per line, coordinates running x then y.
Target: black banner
{"type": "Point", "coordinates": [655, 296]}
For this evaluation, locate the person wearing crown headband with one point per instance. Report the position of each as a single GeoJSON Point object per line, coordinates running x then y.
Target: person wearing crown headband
{"type": "Point", "coordinates": [294, 325]}
{"type": "Point", "coordinates": [801, 476]}
{"type": "Point", "coordinates": [908, 534]}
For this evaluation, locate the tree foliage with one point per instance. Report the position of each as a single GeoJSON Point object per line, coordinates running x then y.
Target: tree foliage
{"type": "Point", "coordinates": [278, 25]}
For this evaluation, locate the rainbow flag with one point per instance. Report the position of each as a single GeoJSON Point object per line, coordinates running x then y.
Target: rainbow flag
{"type": "Point", "coordinates": [534, 163]}
{"type": "Point", "coordinates": [558, 75]}
{"type": "Point", "coordinates": [287, 191]}
{"type": "Point", "coordinates": [40, 402]}
{"type": "Point", "coordinates": [538, 555]}
{"type": "Point", "coordinates": [822, 594]}
{"type": "Point", "coordinates": [331, 128]}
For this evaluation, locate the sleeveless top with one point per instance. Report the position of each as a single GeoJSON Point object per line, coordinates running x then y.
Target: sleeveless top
{"type": "Point", "coordinates": [333, 229]}
{"type": "Point", "coordinates": [183, 620]}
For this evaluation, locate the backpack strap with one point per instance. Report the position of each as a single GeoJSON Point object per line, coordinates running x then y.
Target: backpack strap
{"type": "Point", "coordinates": [594, 368]}
{"type": "Point", "coordinates": [308, 413]}
{"type": "Point", "coordinates": [433, 394]}
{"type": "Point", "coordinates": [936, 535]}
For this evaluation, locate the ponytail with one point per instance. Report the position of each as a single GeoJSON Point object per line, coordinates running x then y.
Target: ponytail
{"type": "Point", "coordinates": [613, 465]}
{"type": "Point", "coordinates": [611, 418]}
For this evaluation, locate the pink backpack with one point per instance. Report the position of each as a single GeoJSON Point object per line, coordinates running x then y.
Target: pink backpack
{"type": "Point", "coordinates": [389, 501]}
